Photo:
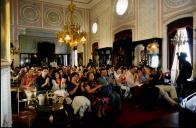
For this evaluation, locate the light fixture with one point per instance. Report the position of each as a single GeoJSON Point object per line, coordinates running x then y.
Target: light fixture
{"type": "Point", "coordinates": [94, 28]}
{"type": "Point", "coordinates": [71, 33]}
{"type": "Point", "coordinates": [13, 49]}
{"type": "Point", "coordinates": [121, 7]}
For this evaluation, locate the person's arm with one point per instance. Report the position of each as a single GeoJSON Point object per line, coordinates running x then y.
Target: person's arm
{"type": "Point", "coordinates": [23, 82]}
{"type": "Point", "coordinates": [37, 83]}
{"type": "Point", "coordinates": [63, 83]}
{"type": "Point", "coordinates": [46, 82]}
{"type": "Point", "coordinates": [89, 90]}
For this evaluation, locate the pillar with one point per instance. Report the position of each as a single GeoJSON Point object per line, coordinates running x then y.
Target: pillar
{"type": "Point", "coordinates": [6, 113]}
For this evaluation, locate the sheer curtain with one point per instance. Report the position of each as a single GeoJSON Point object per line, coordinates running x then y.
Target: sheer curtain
{"type": "Point", "coordinates": [181, 45]}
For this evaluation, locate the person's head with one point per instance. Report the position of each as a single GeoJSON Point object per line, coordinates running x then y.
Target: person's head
{"type": "Point", "coordinates": [143, 69]}
{"type": "Point", "coordinates": [85, 71]}
{"type": "Point", "coordinates": [61, 72]}
{"type": "Point", "coordinates": [31, 71]}
{"type": "Point", "coordinates": [44, 71]}
{"type": "Point", "coordinates": [103, 72]}
{"type": "Point", "coordinates": [90, 76]}
{"type": "Point", "coordinates": [74, 76]}
{"type": "Point", "coordinates": [139, 69]}
{"type": "Point", "coordinates": [182, 56]}
{"type": "Point", "coordinates": [132, 69]}
{"type": "Point", "coordinates": [119, 71]}
{"type": "Point", "coordinates": [112, 69]}
{"type": "Point", "coordinates": [17, 69]}
{"type": "Point", "coordinates": [153, 71]}
{"type": "Point", "coordinates": [56, 75]}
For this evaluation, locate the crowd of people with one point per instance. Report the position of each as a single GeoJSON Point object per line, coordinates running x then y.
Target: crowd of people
{"type": "Point", "coordinates": [100, 86]}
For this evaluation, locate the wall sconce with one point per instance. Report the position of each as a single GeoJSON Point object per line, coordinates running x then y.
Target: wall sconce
{"type": "Point", "coordinates": [13, 49]}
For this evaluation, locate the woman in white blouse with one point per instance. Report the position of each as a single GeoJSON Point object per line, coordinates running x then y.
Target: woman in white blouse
{"type": "Point", "coordinates": [59, 85]}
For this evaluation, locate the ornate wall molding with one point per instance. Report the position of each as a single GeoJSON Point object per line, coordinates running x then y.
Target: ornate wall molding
{"type": "Point", "coordinates": [171, 6]}
{"type": "Point", "coordinates": [29, 13]}
{"type": "Point", "coordinates": [173, 14]}
{"type": "Point", "coordinates": [53, 16]}
{"type": "Point", "coordinates": [76, 16]}
{"type": "Point", "coordinates": [176, 3]}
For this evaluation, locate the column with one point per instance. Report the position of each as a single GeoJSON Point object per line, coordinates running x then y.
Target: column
{"type": "Point", "coordinates": [6, 112]}
{"type": "Point", "coordinates": [74, 57]}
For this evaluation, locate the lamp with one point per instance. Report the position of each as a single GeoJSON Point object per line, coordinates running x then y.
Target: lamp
{"type": "Point", "coordinates": [71, 33]}
{"type": "Point", "coordinates": [13, 49]}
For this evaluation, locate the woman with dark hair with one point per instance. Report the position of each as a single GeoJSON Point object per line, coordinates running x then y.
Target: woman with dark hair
{"type": "Point", "coordinates": [58, 84]}
{"type": "Point", "coordinates": [76, 91]}
{"type": "Point", "coordinates": [92, 89]}
{"type": "Point", "coordinates": [74, 86]}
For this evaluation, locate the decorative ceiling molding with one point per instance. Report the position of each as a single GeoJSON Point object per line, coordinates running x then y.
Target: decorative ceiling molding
{"type": "Point", "coordinates": [79, 3]}
{"type": "Point", "coordinates": [176, 3]}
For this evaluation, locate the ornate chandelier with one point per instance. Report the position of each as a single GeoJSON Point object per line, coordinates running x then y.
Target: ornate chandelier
{"type": "Point", "coordinates": [71, 33]}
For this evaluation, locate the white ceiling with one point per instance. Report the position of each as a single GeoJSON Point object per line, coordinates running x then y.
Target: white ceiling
{"type": "Point", "coordinates": [79, 3]}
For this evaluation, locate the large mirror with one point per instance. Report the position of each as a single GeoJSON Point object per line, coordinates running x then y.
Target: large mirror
{"type": "Point", "coordinates": [139, 57]}
{"type": "Point", "coordinates": [153, 55]}
{"type": "Point", "coordinates": [147, 52]}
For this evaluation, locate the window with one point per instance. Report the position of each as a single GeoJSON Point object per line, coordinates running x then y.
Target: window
{"type": "Point", "coordinates": [121, 6]}
{"type": "Point", "coordinates": [182, 45]}
{"type": "Point", "coordinates": [94, 27]}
